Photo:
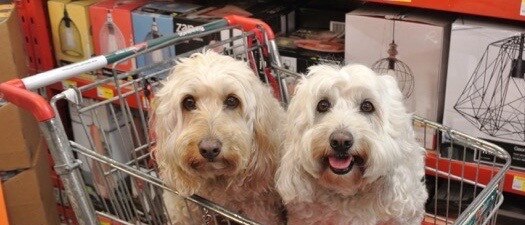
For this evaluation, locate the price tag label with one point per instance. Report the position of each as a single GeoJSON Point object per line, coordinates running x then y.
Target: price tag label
{"type": "Point", "coordinates": [522, 9]}
{"type": "Point", "coordinates": [518, 183]}
{"type": "Point", "coordinates": [68, 83]}
{"type": "Point", "coordinates": [104, 92]}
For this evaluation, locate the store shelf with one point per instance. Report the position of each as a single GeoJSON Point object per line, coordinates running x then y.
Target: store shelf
{"type": "Point", "coordinates": [505, 9]}
{"type": "Point", "coordinates": [35, 27]}
{"type": "Point", "coordinates": [514, 180]}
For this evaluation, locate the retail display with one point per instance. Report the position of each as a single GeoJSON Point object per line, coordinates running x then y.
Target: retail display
{"type": "Point", "coordinates": [395, 67]}
{"type": "Point", "coordinates": [71, 30]}
{"type": "Point", "coordinates": [466, 73]}
{"type": "Point", "coordinates": [492, 99]}
{"type": "Point", "coordinates": [155, 20]}
{"type": "Point", "coordinates": [112, 27]}
{"type": "Point", "coordinates": [421, 44]}
{"type": "Point", "coordinates": [484, 95]}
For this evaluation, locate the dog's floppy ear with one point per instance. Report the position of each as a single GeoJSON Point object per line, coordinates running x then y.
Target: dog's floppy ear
{"type": "Point", "coordinates": [267, 121]}
{"type": "Point", "coordinates": [408, 174]}
{"type": "Point", "coordinates": [167, 125]}
{"type": "Point", "coordinates": [290, 177]}
{"type": "Point", "coordinates": [397, 118]}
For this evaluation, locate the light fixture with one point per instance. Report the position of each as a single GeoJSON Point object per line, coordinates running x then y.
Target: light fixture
{"type": "Point", "coordinates": [159, 54]}
{"type": "Point", "coordinates": [493, 99]}
{"type": "Point", "coordinates": [396, 68]}
{"type": "Point", "coordinates": [69, 36]}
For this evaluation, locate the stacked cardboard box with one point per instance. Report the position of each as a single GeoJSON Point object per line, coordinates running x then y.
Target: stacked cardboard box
{"type": "Point", "coordinates": [420, 42]}
{"type": "Point", "coordinates": [71, 30]}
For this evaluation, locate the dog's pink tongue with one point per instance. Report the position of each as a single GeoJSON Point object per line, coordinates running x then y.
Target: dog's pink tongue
{"type": "Point", "coordinates": [338, 163]}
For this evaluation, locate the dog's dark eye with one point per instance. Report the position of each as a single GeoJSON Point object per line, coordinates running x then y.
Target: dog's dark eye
{"type": "Point", "coordinates": [367, 107]}
{"type": "Point", "coordinates": [323, 106]}
{"type": "Point", "coordinates": [231, 102]}
{"type": "Point", "coordinates": [189, 103]}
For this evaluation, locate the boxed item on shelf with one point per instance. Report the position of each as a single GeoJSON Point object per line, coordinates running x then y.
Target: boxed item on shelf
{"type": "Point", "coordinates": [14, 65]}
{"type": "Point", "coordinates": [155, 20]}
{"type": "Point", "coordinates": [410, 45]}
{"type": "Point", "coordinates": [280, 17]}
{"type": "Point", "coordinates": [28, 193]}
{"type": "Point", "coordinates": [70, 27]}
{"type": "Point", "coordinates": [484, 94]}
{"type": "Point", "coordinates": [307, 47]}
{"type": "Point", "coordinates": [112, 27]}
{"type": "Point", "coordinates": [18, 146]}
{"type": "Point", "coordinates": [105, 130]}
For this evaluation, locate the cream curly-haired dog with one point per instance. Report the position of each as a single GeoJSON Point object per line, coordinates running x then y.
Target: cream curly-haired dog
{"type": "Point", "coordinates": [218, 135]}
{"type": "Point", "coordinates": [350, 156]}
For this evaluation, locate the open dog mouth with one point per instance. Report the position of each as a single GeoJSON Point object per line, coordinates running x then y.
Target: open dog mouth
{"type": "Point", "coordinates": [341, 164]}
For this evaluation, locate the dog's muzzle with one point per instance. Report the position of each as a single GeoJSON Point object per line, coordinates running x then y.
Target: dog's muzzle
{"type": "Point", "coordinates": [340, 160]}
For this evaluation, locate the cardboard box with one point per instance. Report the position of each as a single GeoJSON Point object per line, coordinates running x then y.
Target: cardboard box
{"type": "Point", "coordinates": [150, 23]}
{"type": "Point", "coordinates": [105, 133]}
{"type": "Point", "coordinates": [112, 27]}
{"type": "Point", "coordinates": [71, 30]}
{"type": "Point", "coordinates": [18, 145]}
{"type": "Point", "coordinates": [422, 40]}
{"type": "Point", "coordinates": [29, 196]}
{"type": "Point", "coordinates": [108, 132]}
{"type": "Point", "coordinates": [14, 59]}
{"type": "Point", "coordinates": [484, 97]}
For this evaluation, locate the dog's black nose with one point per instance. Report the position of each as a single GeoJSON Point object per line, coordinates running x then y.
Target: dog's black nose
{"type": "Point", "coordinates": [341, 141]}
{"type": "Point", "coordinates": [210, 148]}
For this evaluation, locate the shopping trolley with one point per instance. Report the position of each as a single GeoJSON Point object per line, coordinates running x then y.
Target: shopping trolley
{"type": "Point", "coordinates": [107, 170]}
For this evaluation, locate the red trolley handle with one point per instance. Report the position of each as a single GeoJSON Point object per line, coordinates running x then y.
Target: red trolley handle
{"type": "Point", "coordinates": [248, 24]}
{"type": "Point", "coordinates": [15, 92]}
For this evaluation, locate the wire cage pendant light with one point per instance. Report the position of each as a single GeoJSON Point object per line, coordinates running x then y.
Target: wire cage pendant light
{"type": "Point", "coordinates": [493, 99]}
{"type": "Point", "coordinates": [396, 68]}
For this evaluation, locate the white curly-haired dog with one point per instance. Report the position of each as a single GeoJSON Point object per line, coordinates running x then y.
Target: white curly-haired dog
{"type": "Point", "coordinates": [218, 136]}
{"type": "Point", "coordinates": [350, 155]}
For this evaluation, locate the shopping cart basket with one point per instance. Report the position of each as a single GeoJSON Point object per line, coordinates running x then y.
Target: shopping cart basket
{"type": "Point", "coordinates": [107, 171]}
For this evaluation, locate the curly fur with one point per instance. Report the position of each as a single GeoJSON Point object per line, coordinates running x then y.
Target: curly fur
{"type": "Point", "coordinates": [241, 179]}
{"type": "Point", "coordinates": [387, 188]}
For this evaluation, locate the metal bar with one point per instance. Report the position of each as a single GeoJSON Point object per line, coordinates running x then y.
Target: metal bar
{"type": "Point", "coordinates": [60, 149]}
{"type": "Point", "coordinates": [99, 62]}
{"type": "Point", "coordinates": [157, 182]}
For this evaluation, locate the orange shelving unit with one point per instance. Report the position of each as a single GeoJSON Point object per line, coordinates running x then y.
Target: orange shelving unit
{"type": "Point", "coordinates": [35, 27]}
{"type": "Point", "coordinates": [3, 208]}
{"type": "Point", "coordinates": [514, 179]}
{"type": "Point", "coordinates": [504, 9]}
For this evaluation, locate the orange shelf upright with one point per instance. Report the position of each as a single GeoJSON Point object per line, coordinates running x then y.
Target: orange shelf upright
{"type": "Point", "coordinates": [36, 30]}
{"type": "Point", "coordinates": [3, 208]}
{"type": "Point", "coordinates": [504, 9]}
